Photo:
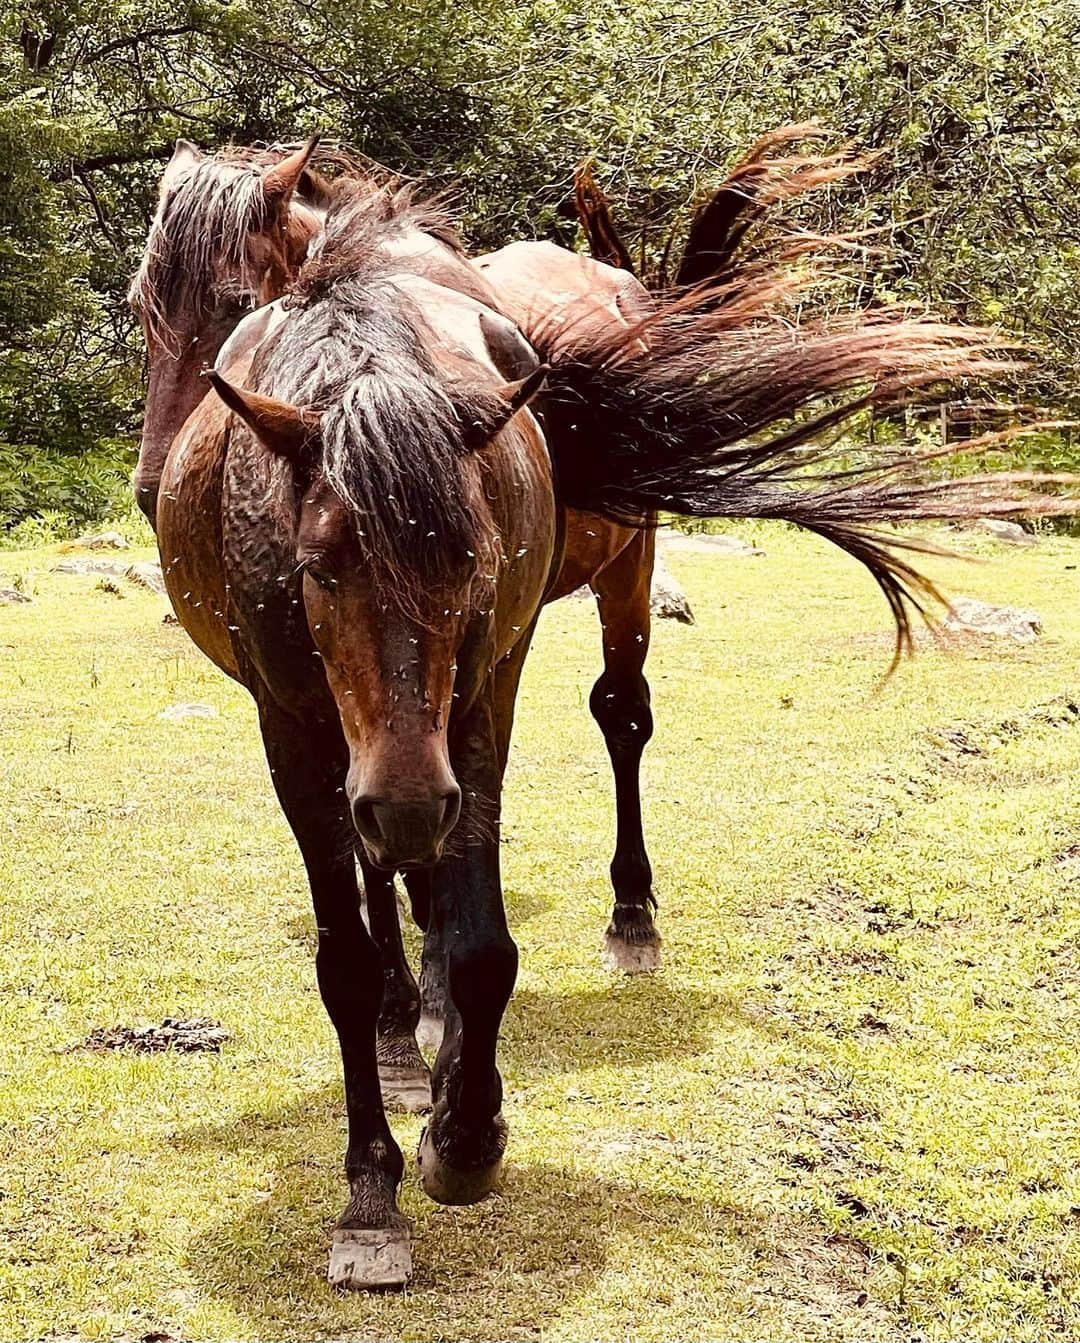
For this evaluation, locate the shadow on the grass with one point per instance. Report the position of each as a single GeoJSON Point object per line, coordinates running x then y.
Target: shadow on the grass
{"type": "Point", "coordinates": [624, 1023]}
{"type": "Point", "coordinates": [514, 1264]}
{"type": "Point", "coordinates": [542, 1241]}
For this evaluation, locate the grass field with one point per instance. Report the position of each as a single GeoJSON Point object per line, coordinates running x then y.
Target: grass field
{"type": "Point", "coordinates": [847, 1107]}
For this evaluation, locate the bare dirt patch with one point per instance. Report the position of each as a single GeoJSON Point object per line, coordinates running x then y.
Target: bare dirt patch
{"type": "Point", "coordinates": [201, 1036]}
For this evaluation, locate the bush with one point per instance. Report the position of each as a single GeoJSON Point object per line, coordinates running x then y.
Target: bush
{"type": "Point", "coordinates": [81, 489]}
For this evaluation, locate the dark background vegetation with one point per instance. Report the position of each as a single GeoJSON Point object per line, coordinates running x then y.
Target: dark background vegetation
{"type": "Point", "coordinates": [977, 104]}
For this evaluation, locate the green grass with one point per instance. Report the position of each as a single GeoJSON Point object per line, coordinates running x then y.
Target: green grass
{"type": "Point", "coordinates": [847, 1107]}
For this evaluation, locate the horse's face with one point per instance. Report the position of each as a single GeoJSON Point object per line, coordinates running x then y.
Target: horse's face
{"type": "Point", "coordinates": [225, 239]}
{"type": "Point", "coordinates": [391, 664]}
{"type": "Point", "coordinates": [392, 678]}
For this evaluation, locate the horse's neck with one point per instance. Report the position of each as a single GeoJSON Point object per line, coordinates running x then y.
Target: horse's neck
{"type": "Point", "coordinates": [420, 254]}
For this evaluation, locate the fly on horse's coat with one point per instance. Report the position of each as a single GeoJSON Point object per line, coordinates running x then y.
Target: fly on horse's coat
{"type": "Point", "coordinates": [363, 521]}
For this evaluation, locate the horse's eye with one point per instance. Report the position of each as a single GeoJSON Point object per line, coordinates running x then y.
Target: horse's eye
{"type": "Point", "coordinates": [324, 581]}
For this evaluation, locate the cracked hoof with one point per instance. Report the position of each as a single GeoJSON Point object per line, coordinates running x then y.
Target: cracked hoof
{"type": "Point", "coordinates": [631, 958]}
{"type": "Point", "coordinates": [445, 1184]}
{"type": "Point", "coordinates": [405, 1089]}
{"type": "Point", "coordinates": [429, 1033]}
{"type": "Point", "coordinates": [363, 1259]}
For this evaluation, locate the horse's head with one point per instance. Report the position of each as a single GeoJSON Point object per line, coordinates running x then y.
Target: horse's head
{"type": "Point", "coordinates": [401, 556]}
{"type": "Point", "coordinates": [229, 234]}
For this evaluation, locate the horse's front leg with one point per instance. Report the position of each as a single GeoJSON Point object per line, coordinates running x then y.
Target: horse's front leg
{"type": "Point", "coordinates": [371, 1240]}
{"type": "Point", "coordinates": [433, 987]}
{"type": "Point", "coordinates": [461, 1149]}
{"type": "Point", "coordinates": [405, 1079]}
{"type": "Point", "coordinates": [620, 705]}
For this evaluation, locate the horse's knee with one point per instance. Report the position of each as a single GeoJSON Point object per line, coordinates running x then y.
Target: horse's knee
{"type": "Point", "coordinates": [622, 711]}
{"type": "Point", "coordinates": [482, 973]}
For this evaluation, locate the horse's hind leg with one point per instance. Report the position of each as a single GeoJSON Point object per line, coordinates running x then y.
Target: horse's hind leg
{"type": "Point", "coordinates": [371, 1240]}
{"type": "Point", "coordinates": [620, 705]}
{"type": "Point", "coordinates": [403, 1074]}
{"type": "Point", "coordinates": [429, 1031]}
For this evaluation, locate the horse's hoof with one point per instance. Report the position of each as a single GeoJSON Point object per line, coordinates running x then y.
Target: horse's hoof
{"type": "Point", "coordinates": [631, 958]}
{"type": "Point", "coordinates": [445, 1184]}
{"type": "Point", "coordinates": [405, 1089]}
{"type": "Point", "coordinates": [364, 1259]}
{"type": "Point", "coordinates": [429, 1033]}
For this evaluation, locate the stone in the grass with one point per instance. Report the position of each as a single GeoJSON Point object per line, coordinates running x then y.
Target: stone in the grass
{"type": "Point", "coordinates": [103, 541]}
{"type": "Point", "coordinates": [12, 597]}
{"type": "Point", "coordinates": [1011, 533]}
{"type": "Point", "coordinates": [667, 601]}
{"type": "Point", "coordinates": [970, 617]}
{"type": "Point", "coordinates": [81, 567]}
{"type": "Point", "coordinates": [720, 544]}
{"type": "Point", "coordinates": [147, 575]}
{"type": "Point", "coordinates": [176, 712]}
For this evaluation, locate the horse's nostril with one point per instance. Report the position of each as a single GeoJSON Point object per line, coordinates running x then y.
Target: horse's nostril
{"type": "Point", "coordinates": [365, 818]}
{"type": "Point", "coordinates": [451, 809]}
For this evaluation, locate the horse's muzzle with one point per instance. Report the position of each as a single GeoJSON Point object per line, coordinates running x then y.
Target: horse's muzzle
{"type": "Point", "coordinates": [406, 834]}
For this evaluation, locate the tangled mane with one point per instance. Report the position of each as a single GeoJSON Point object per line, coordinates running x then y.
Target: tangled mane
{"type": "Point", "coordinates": [394, 426]}
{"type": "Point", "coordinates": [197, 251]}
{"type": "Point", "coordinates": [363, 224]}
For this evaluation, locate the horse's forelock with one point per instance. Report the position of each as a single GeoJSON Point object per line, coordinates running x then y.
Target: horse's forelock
{"type": "Point", "coordinates": [394, 436]}
{"type": "Point", "coordinates": [198, 244]}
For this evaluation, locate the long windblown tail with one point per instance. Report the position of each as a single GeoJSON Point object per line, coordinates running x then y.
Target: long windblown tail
{"type": "Point", "coordinates": [718, 408]}
{"type": "Point", "coordinates": [724, 234]}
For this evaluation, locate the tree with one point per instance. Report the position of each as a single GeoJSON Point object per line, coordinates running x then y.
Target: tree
{"type": "Point", "coordinates": [975, 105]}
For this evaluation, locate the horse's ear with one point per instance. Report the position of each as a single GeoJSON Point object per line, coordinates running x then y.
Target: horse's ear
{"type": "Point", "coordinates": [285, 429]}
{"type": "Point", "coordinates": [511, 397]}
{"type": "Point", "coordinates": [279, 181]}
{"type": "Point", "coordinates": [517, 395]}
{"type": "Point", "coordinates": [185, 155]}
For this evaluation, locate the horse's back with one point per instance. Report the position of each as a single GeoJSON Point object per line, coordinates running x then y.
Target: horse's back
{"type": "Point", "coordinates": [542, 286]}
{"type": "Point", "coordinates": [554, 294]}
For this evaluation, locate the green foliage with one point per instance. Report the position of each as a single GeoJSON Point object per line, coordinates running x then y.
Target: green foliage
{"type": "Point", "coordinates": [79, 487]}
{"type": "Point", "coordinates": [975, 109]}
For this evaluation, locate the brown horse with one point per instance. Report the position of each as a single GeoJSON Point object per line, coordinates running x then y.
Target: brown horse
{"type": "Point", "coordinates": [363, 531]}
{"type": "Point", "coordinates": [231, 232]}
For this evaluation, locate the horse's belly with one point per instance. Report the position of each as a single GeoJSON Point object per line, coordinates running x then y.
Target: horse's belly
{"type": "Point", "coordinates": [189, 532]}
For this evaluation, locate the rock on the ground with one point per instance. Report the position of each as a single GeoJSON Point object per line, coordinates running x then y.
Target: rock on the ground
{"type": "Point", "coordinates": [667, 600]}
{"type": "Point", "coordinates": [110, 568]}
{"type": "Point", "coordinates": [968, 616]}
{"type": "Point", "coordinates": [143, 575]}
{"type": "Point", "coordinates": [103, 541]}
{"type": "Point", "coordinates": [147, 575]}
{"type": "Point", "coordinates": [12, 597]}
{"type": "Point", "coordinates": [1011, 533]}
{"type": "Point", "coordinates": [706, 543]}
{"type": "Point", "coordinates": [175, 712]}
